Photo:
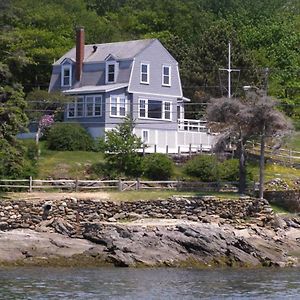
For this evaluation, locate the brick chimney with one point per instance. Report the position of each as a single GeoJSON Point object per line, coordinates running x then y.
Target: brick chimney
{"type": "Point", "coordinates": [79, 52]}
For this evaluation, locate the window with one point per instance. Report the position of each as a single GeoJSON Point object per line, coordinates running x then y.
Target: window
{"type": "Point", "coordinates": [167, 110]}
{"type": "Point", "coordinates": [66, 75]}
{"type": "Point", "coordinates": [178, 112]}
{"type": "Point", "coordinates": [145, 136]}
{"type": "Point", "coordinates": [142, 108]}
{"type": "Point", "coordinates": [90, 106]}
{"type": "Point", "coordinates": [71, 110]}
{"type": "Point", "coordinates": [111, 72]}
{"type": "Point", "coordinates": [80, 107]}
{"type": "Point", "coordinates": [118, 106]}
{"type": "Point", "coordinates": [166, 75]}
{"type": "Point", "coordinates": [145, 73]}
{"type": "Point", "coordinates": [154, 109]}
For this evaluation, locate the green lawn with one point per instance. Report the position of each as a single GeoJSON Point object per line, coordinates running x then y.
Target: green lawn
{"type": "Point", "coordinates": [66, 164]}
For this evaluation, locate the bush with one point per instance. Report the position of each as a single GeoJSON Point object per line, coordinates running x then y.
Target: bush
{"type": "Point", "coordinates": [69, 137]}
{"type": "Point", "coordinates": [204, 167]}
{"type": "Point", "coordinates": [229, 170]}
{"type": "Point", "coordinates": [158, 166]}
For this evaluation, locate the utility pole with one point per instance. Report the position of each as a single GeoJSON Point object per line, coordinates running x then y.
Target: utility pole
{"type": "Point", "coordinates": [263, 142]}
{"type": "Point", "coordinates": [229, 70]}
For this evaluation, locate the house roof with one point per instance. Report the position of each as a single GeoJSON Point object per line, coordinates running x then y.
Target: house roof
{"type": "Point", "coordinates": [90, 89]}
{"type": "Point", "coordinates": [119, 50]}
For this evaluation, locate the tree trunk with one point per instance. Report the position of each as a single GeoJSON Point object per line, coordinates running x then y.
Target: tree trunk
{"type": "Point", "coordinates": [262, 164]}
{"type": "Point", "coordinates": [242, 168]}
{"type": "Point", "coordinates": [37, 139]}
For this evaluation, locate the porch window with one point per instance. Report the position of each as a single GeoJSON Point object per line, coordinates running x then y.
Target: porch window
{"type": "Point", "coordinates": [144, 73]}
{"type": "Point", "coordinates": [66, 75]}
{"type": "Point", "coordinates": [118, 106]}
{"type": "Point", "coordinates": [71, 110]}
{"type": "Point", "coordinates": [80, 106]}
{"type": "Point", "coordinates": [89, 106]}
{"type": "Point", "coordinates": [166, 75]}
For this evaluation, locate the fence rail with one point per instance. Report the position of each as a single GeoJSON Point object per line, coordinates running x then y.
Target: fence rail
{"type": "Point", "coordinates": [120, 185]}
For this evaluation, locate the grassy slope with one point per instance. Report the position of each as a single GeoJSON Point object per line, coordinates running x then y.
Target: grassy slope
{"type": "Point", "coordinates": [66, 164]}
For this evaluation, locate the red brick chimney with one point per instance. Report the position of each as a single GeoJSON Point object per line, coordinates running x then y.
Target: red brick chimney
{"type": "Point", "coordinates": [79, 52]}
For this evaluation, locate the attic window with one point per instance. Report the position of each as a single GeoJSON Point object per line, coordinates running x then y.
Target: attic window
{"type": "Point", "coordinates": [166, 75]}
{"type": "Point", "coordinates": [145, 73]}
{"type": "Point", "coordinates": [66, 75]}
{"type": "Point", "coordinates": [111, 72]}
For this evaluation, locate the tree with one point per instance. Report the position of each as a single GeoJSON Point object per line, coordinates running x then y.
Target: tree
{"type": "Point", "coordinates": [121, 149]}
{"type": "Point", "coordinates": [44, 109]}
{"type": "Point", "coordinates": [239, 121]}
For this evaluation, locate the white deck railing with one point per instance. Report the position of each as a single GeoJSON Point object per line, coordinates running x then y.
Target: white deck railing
{"type": "Point", "coordinates": [192, 125]}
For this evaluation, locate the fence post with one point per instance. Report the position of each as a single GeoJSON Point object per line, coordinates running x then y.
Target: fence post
{"type": "Point", "coordinates": [120, 185]}
{"type": "Point", "coordinates": [144, 150]}
{"type": "Point", "coordinates": [30, 184]}
{"type": "Point", "coordinates": [137, 184]}
{"type": "Point", "coordinates": [167, 149]}
{"type": "Point", "coordinates": [201, 148]}
{"type": "Point", "coordinates": [179, 150]}
{"type": "Point", "coordinates": [155, 148]}
{"type": "Point", "coordinates": [190, 150]}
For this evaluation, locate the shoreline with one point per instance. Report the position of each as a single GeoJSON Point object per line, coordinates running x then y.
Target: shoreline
{"type": "Point", "coordinates": [207, 233]}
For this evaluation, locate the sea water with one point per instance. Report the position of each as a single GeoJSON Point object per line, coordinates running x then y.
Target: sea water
{"type": "Point", "coordinates": [156, 283]}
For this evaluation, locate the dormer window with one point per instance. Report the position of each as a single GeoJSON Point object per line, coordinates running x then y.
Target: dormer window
{"type": "Point", "coordinates": [145, 73]}
{"type": "Point", "coordinates": [66, 75]}
{"type": "Point", "coordinates": [166, 75]}
{"type": "Point", "coordinates": [111, 71]}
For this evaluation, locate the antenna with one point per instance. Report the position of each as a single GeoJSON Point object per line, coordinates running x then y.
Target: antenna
{"type": "Point", "coordinates": [229, 70]}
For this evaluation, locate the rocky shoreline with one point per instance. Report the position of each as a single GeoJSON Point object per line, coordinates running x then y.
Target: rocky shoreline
{"type": "Point", "coordinates": [201, 232]}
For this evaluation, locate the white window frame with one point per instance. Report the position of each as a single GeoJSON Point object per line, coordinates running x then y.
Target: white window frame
{"type": "Point", "coordinates": [93, 106]}
{"type": "Point", "coordinates": [85, 110]}
{"type": "Point", "coordinates": [146, 108]}
{"type": "Point", "coordinates": [111, 63]}
{"type": "Point", "coordinates": [164, 110]}
{"type": "Point", "coordinates": [147, 134]}
{"type": "Point", "coordinates": [163, 76]}
{"type": "Point", "coordinates": [118, 107]}
{"type": "Point", "coordinates": [147, 73]}
{"type": "Point", "coordinates": [163, 102]}
{"type": "Point", "coordinates": [63, 68]}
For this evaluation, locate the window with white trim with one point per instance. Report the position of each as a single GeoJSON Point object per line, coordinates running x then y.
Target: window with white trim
{"type": "Point", "coordinates": [145, 68]}
{"type": "Point", "coordinates": [66, 75]}
{"type": "Point", "coordinates": [154, 109]}
{"type": "Point", "coordinates": [145, 136]}
{"type": "Point", "coordinates": [80, 107]}
{"type": "Point", "coordinates": [111, 69]}
{"type": "Point", "coordinates": [167, 110]}
{"type": "Point", "coordinates": [118, 106]}
{"type": "Point", "coordinates": [166, 75]}
{"type": "Point", "coordinates": [90, 106]}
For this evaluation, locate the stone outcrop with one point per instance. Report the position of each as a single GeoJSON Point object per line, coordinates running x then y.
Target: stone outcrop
{"type": "Point", "coordinates": [29, 214]}
{"type": "Point", "coordinates": [180, 231]}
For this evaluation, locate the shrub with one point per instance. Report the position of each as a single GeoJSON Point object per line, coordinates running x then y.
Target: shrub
{"type": "Point", "coordinates": [69, 137]}
{"type": "Point", "coordinates": [158, 166]}
{"type": "Point", "coordinates": [229, 170]}
{"type": "Point", "coordinates": [203, 167]}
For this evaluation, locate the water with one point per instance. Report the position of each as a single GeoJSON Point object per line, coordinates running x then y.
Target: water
{"type": "Point", "coordinates": [115, 283]}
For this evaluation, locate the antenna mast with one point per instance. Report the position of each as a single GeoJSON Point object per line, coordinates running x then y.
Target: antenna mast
{"type": "Point", "coordinates": [229, 70]}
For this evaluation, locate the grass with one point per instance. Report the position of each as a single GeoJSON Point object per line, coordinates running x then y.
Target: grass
{"type": "Point", "coordinates": [294, 142]}
{"type": "Point", "coordinates": [66, 164]}
{"type": "Point", "coordinates": [279, 210]}
{"type": "Point", "coordinates": [162, 195]}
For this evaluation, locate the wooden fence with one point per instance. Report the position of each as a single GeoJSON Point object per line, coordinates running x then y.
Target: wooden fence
{"type": "Point", "coordinates": [119, 185]}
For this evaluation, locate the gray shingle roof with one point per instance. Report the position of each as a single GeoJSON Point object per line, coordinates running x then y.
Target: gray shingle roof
{"type": "Point", "coordinates": [96, 88]}
{"type": "Point", "coordinates": [120, 50]}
